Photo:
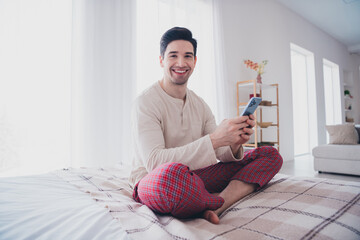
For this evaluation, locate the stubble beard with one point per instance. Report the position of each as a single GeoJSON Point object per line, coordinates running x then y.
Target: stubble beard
{"type": "Point", "coordinates": [179, 81]}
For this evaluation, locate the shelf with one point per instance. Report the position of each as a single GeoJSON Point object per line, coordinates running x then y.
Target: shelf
{"type": "Point", "coordinates": [270, 93]}
{"type": "Point", "coordinates": [272, 126]}
{"type": "Point", "coordinates": [249, 84]}
{"type": "Point", "coordinates": [249, 145]}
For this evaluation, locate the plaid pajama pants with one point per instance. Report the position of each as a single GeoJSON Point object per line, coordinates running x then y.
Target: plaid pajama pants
{"type": "Point", "coordinates": [173, 189]}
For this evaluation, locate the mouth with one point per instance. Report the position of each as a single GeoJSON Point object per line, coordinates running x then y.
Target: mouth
{"type": "Point", "coordinates": [180, 71]}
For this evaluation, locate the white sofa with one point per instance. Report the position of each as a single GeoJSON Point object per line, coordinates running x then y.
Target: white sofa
{"type": "Point", "coordinates": [338, 158]}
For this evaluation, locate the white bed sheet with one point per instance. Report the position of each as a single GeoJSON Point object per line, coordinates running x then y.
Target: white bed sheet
{"type": "Point", "coordinates": [47, 207]}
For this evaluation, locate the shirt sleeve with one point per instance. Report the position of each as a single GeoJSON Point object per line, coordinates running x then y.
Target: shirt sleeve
{"type": "Point", "coordinates": [150, 143]}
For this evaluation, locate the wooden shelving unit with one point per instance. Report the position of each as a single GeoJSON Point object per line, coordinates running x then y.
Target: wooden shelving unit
{"type": "Point", "coordinates": [266, 92]}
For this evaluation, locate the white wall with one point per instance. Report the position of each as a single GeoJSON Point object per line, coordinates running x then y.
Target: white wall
{"type": "Point", "coordinates": [264, 29]}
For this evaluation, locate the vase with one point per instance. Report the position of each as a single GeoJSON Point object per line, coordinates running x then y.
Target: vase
{"type": "Point", "coordinates": [258, 78]}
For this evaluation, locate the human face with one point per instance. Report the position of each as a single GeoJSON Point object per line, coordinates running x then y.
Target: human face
{"type": "Point", "coordinates": [178, 62]}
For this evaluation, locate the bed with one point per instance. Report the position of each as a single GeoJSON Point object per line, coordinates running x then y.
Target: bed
{"type": "Point", "coordinates": [97, 204]}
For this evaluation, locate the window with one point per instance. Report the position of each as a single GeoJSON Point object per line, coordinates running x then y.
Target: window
{"type": "Point", "coordinates": [332, 93]}
{"type": "Point", "coordinates": [304, 100]}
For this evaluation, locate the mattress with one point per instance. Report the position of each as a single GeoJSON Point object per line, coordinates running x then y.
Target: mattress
{"type": "Point", "coordinates": [47, 207]}
{"type": "Point", "coordinates": [97, 204]}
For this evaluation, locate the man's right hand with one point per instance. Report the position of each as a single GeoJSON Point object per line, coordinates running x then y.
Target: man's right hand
{"type": "Point", "coordinates": [230, 130]}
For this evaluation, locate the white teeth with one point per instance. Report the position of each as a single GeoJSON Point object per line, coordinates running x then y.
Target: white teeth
{"type": "Point", "coordinates": [180, 71]}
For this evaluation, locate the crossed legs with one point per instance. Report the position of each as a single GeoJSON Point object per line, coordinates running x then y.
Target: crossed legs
{"type": "Point", "coordinates": [170, 191]}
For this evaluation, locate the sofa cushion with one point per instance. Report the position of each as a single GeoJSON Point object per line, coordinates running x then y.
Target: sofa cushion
{"type": "Point", "coordinates": [334, 151]}
{"type": "Point", "coordinates": [342, 134]}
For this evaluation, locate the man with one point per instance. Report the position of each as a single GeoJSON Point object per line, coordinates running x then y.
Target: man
{"type": "Point", "coordinates": [178, 145]}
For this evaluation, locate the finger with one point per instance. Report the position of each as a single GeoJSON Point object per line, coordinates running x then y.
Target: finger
{"type": "Point", "coordinates": [248, 131]}
{"type": "Point", "coordinates": [242, 131]}
{"type": "Point", "coordinates": [239, 119]}
{"type": "Point", "coordinates": [242, 125]}
{"type": "Point", "coordinates": [239, 132]}
{"type": "Point", "coordinates": [251, 123]}
{"type": "Point", "coordinates": [251, 116]}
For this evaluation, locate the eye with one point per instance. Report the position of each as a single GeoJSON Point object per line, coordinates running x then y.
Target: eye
{"type": "Point", "coordinates": [173, 56]}
{"type": "Point", "coordinates": [188, 56]}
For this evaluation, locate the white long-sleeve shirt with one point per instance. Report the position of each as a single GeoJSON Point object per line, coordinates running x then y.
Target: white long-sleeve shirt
{"type": "Point", "coordinates": [167, 129]}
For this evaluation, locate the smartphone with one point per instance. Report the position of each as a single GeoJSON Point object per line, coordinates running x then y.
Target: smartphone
{"type": "Point", "coordinates": [251, 106]}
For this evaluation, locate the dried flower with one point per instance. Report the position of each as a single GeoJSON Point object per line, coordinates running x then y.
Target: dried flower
{"type": "Point", "coordinates": [258, 67]}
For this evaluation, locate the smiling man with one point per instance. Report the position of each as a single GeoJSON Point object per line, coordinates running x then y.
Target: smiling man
{"type": "Point", "coordinates": [184, 164]}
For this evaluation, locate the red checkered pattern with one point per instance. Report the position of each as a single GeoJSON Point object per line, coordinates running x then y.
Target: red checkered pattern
{"type": "Point", "coordinates": [173, 189]}
{"type": "Point", "coordinates": [258, 166]}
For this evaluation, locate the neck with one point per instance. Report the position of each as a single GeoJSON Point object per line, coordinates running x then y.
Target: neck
{"type": "Point", "coordinates": [175, 91]}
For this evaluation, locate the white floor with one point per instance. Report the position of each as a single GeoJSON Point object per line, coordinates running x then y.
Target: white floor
{"type": "Point", "coordinates": [304, 166]}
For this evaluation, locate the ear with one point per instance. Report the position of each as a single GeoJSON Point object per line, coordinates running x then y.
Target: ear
{"type": "Point", "coordinates": [161, 61]}
{"type": "Point", "coordinates": [195, 59]}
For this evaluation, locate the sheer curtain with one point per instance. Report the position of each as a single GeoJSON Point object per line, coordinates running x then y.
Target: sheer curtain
{"type": "Point", "coordinates": [67, 71]}
{"type": "Point", "coordinates": [103, 73]}
{"type": "Point", "coordinates": [35, 44]}
{"type": "Point", "coordinates": [154, 17]}
{"type": "Point", "coordinates": [224, 85]}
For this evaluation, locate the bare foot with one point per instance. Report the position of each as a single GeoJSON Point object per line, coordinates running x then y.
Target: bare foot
{"type": "Point", "coordinates": [211, 216]}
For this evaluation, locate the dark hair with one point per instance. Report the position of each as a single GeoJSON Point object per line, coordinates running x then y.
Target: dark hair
{"type": "Point", "coordinates": [176, 33]}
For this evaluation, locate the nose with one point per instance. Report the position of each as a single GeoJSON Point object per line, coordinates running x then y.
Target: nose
{"type": "Point", "coordinates": [181, 61]}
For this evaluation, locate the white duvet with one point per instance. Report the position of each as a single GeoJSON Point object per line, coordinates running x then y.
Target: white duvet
{"type": "Point", "coordinates": [47, 207]}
